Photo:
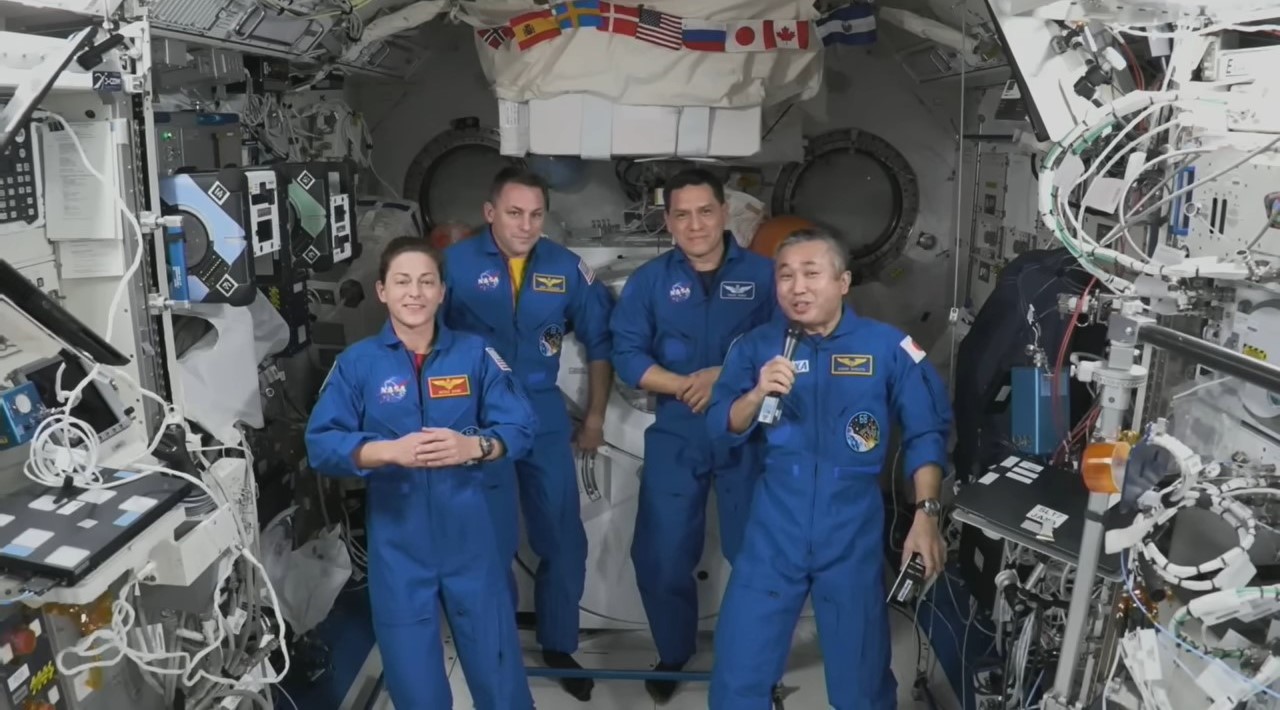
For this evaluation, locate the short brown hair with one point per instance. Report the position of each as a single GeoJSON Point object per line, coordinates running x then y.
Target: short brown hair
{"type": "Point", "coordinates": [515, 175]}
{"type": "Point", "coordinates": [405, 245]}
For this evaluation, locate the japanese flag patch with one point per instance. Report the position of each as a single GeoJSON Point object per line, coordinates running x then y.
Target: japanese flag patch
{"type": "Point", "coordinates": [497, 360]}
{"type": "Point", "coordinates": [915, 351]}
{"type": "Point", "coordinates": [587, 273]}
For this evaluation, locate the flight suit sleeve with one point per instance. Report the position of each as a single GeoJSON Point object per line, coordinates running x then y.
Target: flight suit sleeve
{"type": "Point", "coordinates": [333, 432]}
{"type": "Point", "coordinates": [921, 406]}
{"type": "Point", "coordinates": [592, 305]}
{"type": "Point", "coordinates": [738, 375]}
{"type": "Point", "coordinates": [505, 411]}
{"type": "Point", "coordinates": [632, 327]}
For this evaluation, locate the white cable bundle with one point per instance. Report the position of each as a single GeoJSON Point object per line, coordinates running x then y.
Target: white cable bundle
{"type": "Point", "coordinates": [1233, 512]}
{"type": "Point", "coordinates": [1103, 122]}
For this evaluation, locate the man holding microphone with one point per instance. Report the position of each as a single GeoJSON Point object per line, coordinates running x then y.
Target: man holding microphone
{"type": "Point", "coordinates": [816, 522]}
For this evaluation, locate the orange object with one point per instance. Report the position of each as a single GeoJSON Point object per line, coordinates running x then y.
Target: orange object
{"type": "Point", "coordinates": [23, 641]}
{"type": "Point", "coordinates": [1103, 466]}
{"type": "Point", "coordinates": [773, 231]}
{"type": "Point", "coordinates": [445, 387]}
{"type": "Point", "coordinates": [449, 233]}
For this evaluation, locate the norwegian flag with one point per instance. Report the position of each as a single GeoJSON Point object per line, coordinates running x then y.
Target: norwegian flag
{"type": "Point", "coordinates": [619, 19]}
{"type": "Point", "coordinates": [495, 36]}
{"type": "Point", "coordinates": [660, 28]}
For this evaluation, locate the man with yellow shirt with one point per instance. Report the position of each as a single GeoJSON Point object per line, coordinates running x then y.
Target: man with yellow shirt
{"type": "Point", "coordinates": [523, 293]}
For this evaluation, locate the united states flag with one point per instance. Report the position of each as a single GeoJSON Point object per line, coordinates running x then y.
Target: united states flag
{"type": "Point", "coordinates": [660, 28]}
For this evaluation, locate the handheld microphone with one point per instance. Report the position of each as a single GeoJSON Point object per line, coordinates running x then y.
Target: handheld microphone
{"type": "Point", "coordinates": [771, 408]}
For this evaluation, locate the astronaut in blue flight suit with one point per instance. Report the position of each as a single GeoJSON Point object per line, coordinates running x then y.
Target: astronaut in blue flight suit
{"type": "Point", "coordinates": [523, 294]}
{"type": "Point", "coordinates": [672, 325]}
{"type": "Point", "coordinates": [816, 521]}
{"type": "Point", "coordinates": [414, 410]}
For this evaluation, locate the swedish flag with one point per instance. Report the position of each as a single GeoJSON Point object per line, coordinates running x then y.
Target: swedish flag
{"type": "Point", "coordinates": [578, 13]}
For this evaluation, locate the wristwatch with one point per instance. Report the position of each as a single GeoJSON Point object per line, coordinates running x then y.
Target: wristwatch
{"type": "Point", "coordinates": [486, 447]}
{"type": "Point", "coordinates": [930, 506]}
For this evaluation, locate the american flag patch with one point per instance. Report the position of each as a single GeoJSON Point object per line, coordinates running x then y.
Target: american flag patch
{"type": "Point", "coordinates": [660, 28]}
{"type": "Point", "coordinates": [495, 36]}
{"type": "Point", "coordinates": [587, 273]}
{"type": "Point", "coordinates": [497, 360]}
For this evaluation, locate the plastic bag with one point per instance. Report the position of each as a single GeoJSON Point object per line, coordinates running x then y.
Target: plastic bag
{"type": "Point", "coordinates": [745, 215]}
{"type": "Point", "coordinates": [307, 580]}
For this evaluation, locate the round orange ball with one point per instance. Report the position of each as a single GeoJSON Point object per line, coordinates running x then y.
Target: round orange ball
{"type": "Point", "coordinates": [774, 230]}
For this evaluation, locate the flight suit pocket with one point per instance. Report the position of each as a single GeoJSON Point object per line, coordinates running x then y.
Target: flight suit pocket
{"type": "Point", "coordinates": [400, 582]}
{"type": "Point", "coordinates": [676, 351]}
{"type": "Point", "coordinates": [471, 319]}
{"type": "Point", "coordinates": [865, 433]}
{"type": "Point", "coordinates": [450, 399]}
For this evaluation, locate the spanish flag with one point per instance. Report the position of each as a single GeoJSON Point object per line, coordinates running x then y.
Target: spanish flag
{"type": "Point", "coordinates": [534, 27]}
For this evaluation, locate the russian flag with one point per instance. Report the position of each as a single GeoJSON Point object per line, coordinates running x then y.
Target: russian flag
{"type": "Point", "coordinates": [703, 36]}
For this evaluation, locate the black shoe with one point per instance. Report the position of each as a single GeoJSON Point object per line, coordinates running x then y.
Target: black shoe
{"type": "Point", "coordinates": [662, 690]}
{"type": "Point", "coordinates": [579, 688]}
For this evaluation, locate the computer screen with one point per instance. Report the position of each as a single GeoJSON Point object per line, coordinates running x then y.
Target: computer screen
{"type": "Point", "coordinates": [29, 94]}
{"type": "Point", "coordinates": [29, 300]}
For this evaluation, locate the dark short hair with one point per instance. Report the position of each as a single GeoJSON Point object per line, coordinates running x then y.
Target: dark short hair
{"type": "Point", "coordinates": [405, 245]}
{"type": "Point", "coordinates": [516, 175]}
{"type": "Point", "coordinates": [692, 177]}
{"type": "Point", "coordinates": [839, 257]}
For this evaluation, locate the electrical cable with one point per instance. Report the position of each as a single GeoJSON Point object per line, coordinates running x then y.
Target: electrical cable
{"type": "Point", "coordinates": [51, 461]}
{"type": "Point", "coordinates": [1126, 561]}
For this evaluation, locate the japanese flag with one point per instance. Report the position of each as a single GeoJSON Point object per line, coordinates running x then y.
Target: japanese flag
{"type": "Point", "coordinates": [915, 351]}
{"type": "Point", "coordinates": [750, 36]}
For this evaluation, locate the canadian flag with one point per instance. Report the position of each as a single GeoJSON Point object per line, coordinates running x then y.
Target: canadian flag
{"type": "Point", "coordinates": [791, 34]}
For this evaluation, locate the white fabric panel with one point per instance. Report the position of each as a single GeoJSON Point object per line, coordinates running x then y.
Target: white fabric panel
{"type": "Point", "coordinates": [629, 71]}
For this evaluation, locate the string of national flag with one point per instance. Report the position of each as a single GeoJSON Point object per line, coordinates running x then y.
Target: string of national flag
{"type": "Point", "coordinates": [852, 24]}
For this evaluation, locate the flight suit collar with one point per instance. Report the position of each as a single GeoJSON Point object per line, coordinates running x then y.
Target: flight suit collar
{"type": "Point", "coordinates": [444, 336]}
{"type": "Point", "coordinates": [848, 321]}
{"type": "Point", "coordinates": [847, 324]}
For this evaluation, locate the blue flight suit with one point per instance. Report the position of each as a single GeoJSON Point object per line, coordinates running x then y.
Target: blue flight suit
{"type": "Point", "coordinates": [559, 295]}
{"type": "Point", "coordinates": [816, 523]}
{"type": "Point", "coordinates": [429, 531]}
{"type": "Point", "coordinates": [667, 315]}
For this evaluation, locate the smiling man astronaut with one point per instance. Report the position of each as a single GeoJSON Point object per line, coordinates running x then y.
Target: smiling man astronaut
{"type": "Point", "coordinates": [817, 518]}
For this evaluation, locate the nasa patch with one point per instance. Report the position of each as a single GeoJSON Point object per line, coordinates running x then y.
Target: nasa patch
{"type": "Point", "coordinates": [393, 390]}
{"type": "Point", "coordinates": [551, 339]}
{"type": "Point", "coordinates": [488, 280]}
{"type": "Point", "coordinates": [862, 433]}
{"type": "Point", "coordinates": [680, 292]}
